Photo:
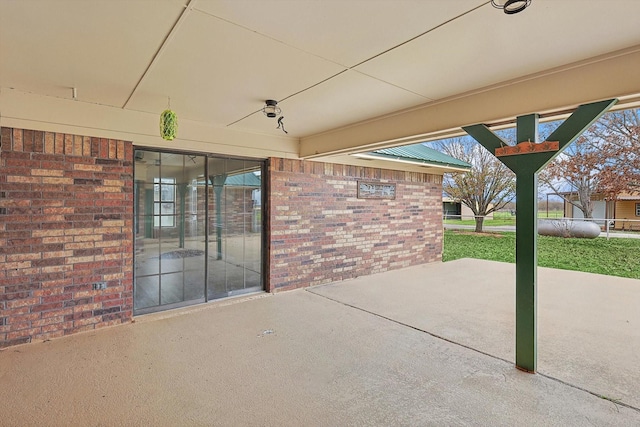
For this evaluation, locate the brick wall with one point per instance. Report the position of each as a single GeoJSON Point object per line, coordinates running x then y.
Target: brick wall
{"type": "Point", "coordinates": [66, 211]}
{"type": "Point", "coordinates": [321, 232]}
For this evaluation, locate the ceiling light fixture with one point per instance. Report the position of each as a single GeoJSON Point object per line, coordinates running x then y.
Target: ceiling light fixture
{"type": "Point", "coordinates": [271, 108]}
{"type": "Point", "coordinates": [511, 6]}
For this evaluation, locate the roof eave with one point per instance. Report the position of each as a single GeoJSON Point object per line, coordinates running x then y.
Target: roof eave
{"type": "Point", "coordinates": [446, 167]}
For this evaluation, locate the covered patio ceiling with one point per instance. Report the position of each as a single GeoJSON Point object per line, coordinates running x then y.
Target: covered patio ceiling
{"type": "Point", "coordinates": [350, 76]}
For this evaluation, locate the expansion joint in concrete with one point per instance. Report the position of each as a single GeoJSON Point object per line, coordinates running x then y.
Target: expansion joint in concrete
{"type": "Point", "coordinates": [440, 337]}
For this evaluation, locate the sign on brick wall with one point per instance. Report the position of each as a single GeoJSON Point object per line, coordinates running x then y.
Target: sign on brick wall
{"type": "Point", "coordinates": [376, 190]}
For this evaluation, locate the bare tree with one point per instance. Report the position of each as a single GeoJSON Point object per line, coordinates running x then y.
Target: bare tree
{"type": "Point", "coordinates": [618, 133]}
{"type": "Point", "coordinates": [604, 160]}
{"type": "Point", "coordinates": [575, 170]}
{"type": "Point", "coordinates": [486, 188]}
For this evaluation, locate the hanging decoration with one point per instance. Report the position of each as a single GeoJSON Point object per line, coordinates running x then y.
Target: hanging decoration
{"type": "Point", "coordinates": [281, 124]}
{"type": "Point", "coordinates": [168, 123]}
{"type": "Point", "coordinates": [272, 111]}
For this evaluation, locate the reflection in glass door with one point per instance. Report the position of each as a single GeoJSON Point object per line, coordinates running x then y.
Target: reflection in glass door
{"type": "Point", "coordinates": [235, 231]}
{"type": "Point", "coordinates": [198, 229]}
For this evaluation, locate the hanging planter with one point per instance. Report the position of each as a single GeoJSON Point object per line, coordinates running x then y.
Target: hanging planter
{"type": "Point", "coordinates": [168, 125]}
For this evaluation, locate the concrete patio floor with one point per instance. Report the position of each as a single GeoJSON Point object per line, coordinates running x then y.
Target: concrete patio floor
{"type": "Point", "coordinates": [426, 345]}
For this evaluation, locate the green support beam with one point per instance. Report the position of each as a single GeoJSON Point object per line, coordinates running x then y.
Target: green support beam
{"type": "Point", "coordinates": [137, 187]}
{"type": "Point", "coordinates": [526, 167]}
{"type": "Point", "coordinates": [218, 186]}
{"type": "Point", "coordinates": [182, 192]}
{"type": "Point", "coordinates": [148, 213]}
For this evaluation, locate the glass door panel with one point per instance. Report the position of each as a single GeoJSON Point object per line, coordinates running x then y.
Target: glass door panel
{"type": "Point", "coordinates": [147, 240]}
{"type": "Point", "coordinates": [216, 266]}
{"type": "Point", "coordinates": [252, 254]}
{"type": "Point", "coordinates": [170, 247]}
{"type": "Point", "coordinates": [253, 228]}
{"type": "Point", "coordinates": [234, 199]}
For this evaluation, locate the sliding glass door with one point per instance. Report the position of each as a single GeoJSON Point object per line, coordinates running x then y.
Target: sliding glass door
{"type": "Point", "coordinates": [198, 228]}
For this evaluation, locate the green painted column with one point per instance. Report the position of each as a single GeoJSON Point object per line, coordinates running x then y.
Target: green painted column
{"type": "Point", "coordinates": [148, 213]}
{"type": "Point", "coordinates": [526, 167]}
{"type": "Point", "coordinates": [526, 249]}
{"type": "Point", "coordinates": [137, 187]}
{"type": "Point", "coordinates": [182, 192]}
{"type": "Point", "coordinates": [526, 270]}
{"type": "Point", "coordinates": [218, 186]}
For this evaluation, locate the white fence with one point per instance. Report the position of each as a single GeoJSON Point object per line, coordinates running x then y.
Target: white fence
{"type": "Point", "coordinates": [607, 225]}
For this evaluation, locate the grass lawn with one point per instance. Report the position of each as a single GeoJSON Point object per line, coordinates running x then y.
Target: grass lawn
{"type": "Point", "coordinates": [614, 257]}
{"type": "Point", "coordinates": [487, 222]}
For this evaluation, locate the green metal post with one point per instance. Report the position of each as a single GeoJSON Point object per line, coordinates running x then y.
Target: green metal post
{"type": "Point", "coordinates": [137, 186]}
{"type": "Point", "coordinates": [148, 214]}
{"type": "Point", "coordinates": [182, 191]}
{"type": "Point", "coordinates": [526, 266]}
{"type": "Point", "coordinates": [526, 249]}
{"type": "Point", "coordinates": [218, 185]}
{"type": "Point", "coordinates": [526, 168]}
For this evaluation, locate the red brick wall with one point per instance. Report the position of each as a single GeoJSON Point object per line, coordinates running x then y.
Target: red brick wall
{"type": "Point", "coordinates": [321, 232]}
{"type": "Point", "coordinates": [66, 211]}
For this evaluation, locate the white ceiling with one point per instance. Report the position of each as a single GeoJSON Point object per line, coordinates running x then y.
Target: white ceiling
{"type": "Point", "coordinates": [330, 63]}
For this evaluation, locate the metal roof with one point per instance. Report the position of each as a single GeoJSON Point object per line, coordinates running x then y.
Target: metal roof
{"type": "Point", "coordinates": [248, 179]}
{"type": "Point", "coordinates": [629, 197]}
{"type": "Point", "coordinates": [422, 154]}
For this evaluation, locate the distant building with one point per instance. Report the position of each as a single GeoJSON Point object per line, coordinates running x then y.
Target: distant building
{"type": "Point", "coordinates": [624, 211]}
{"type": "Point", "coordinates": [453, 209]}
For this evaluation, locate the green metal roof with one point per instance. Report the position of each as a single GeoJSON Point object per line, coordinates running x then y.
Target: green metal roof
{"type": "Point", "coordinates": [420, 153]}
{"type": "Point", "coordinates": [248, 179]}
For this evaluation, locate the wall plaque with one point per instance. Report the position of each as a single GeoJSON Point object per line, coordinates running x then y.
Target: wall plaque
{"type": "Point", "coordinates": [376, 190]}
